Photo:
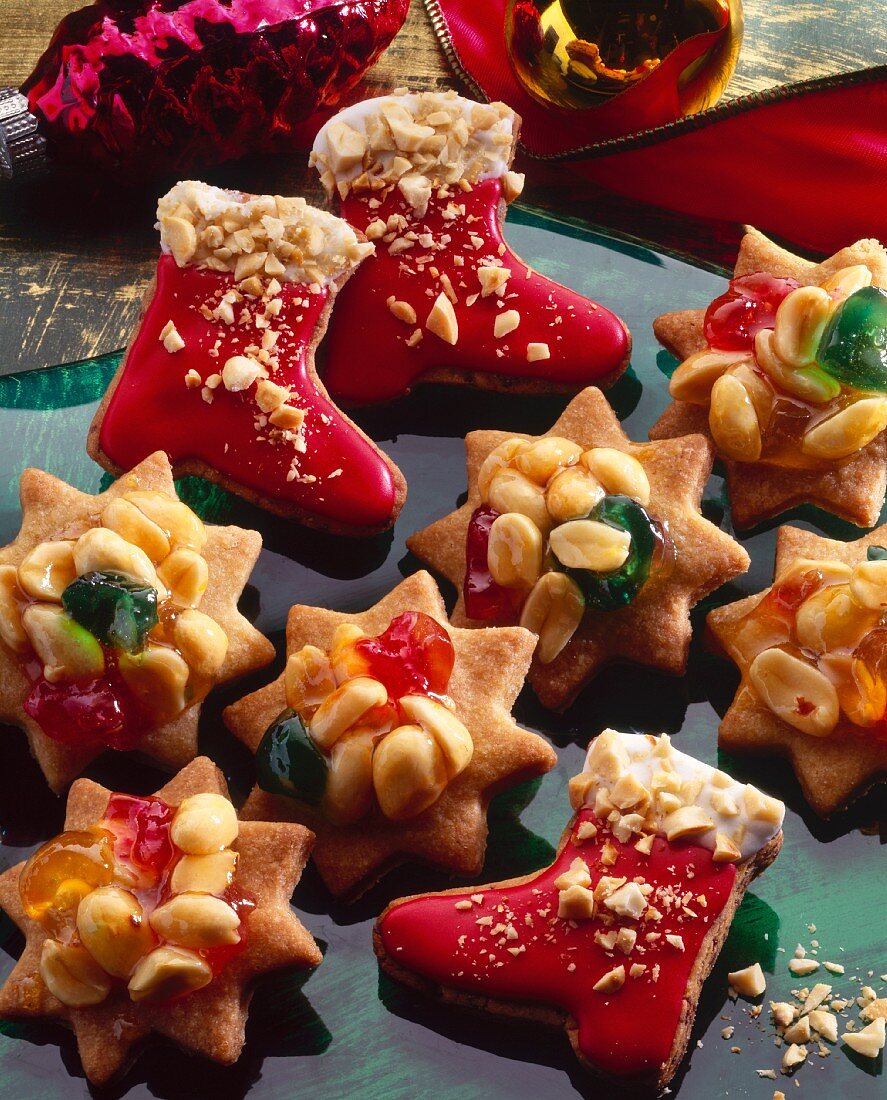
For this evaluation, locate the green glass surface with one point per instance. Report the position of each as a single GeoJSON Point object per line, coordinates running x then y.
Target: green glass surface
{"type": "Point", "coordinates": [345, 1030]}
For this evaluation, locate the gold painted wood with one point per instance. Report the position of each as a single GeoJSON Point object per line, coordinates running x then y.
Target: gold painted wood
{"type": "Point", "coordinates": [73, 265]}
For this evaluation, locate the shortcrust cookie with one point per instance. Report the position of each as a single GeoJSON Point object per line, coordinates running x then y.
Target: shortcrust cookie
{"type": "Point", "coordinates": [118, 614]}
{"type": "Point", "coordinates": [388, 734]}
{"type": "Point", "coordinates": [154, 914]}
{"type": "Point", "coordinates": [593, 542]}
{"type": "Point", "coordinates": [427, 177]}
{"type": "Point", "coordinates": [220, 370]}
{"type": "Point", "coordinates": [787, 373]}
{"type": "Point", "coordinates": [615, 938]}
{"type": "Point", "coordinates": [812, 650]}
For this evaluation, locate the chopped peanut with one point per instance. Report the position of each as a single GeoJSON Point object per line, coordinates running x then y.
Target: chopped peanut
{"type": "Point", "coordinates": [749, 982]}
{"type": "Point", "coordinates": [505, 322]}
{"type": "Point", "coordinates": [403, 311]}
{"type": "Point", "coordinates": [170, 338]}
{"type": "Point", "coordinates": [442, 320]}
{"type": "Point", "coordinates": [612, 981]}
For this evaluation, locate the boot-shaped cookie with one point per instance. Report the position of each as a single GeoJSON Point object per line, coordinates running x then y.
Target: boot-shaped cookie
{"type": "Point", "coordinates": [220, 371]}
{"type": "Point", "coordinates": [444, 299]}
{"type": "Point", "coordinates": [616, 937]}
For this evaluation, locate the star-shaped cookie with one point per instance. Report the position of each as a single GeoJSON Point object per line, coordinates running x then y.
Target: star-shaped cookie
{"type": "Point", "coordinates": [654, 628]}
{"type": "Point", "coordinates": [52, 512]}
{"type": "Point", "coordinates": [854, 488]}
{"type": "Point", "coordinates": [452, 831]}
{"type": "Point", "coordinates": [833, 769]}
{"type": "Point", "coordinates": [211, 1020]}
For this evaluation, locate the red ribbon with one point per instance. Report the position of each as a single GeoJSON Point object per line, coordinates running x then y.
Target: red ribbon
{"type": "Point", "coordinates": [806, 162]}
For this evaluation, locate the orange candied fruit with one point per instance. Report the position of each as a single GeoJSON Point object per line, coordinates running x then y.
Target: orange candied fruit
{"type": "Point", "coordinates": [62, 872]}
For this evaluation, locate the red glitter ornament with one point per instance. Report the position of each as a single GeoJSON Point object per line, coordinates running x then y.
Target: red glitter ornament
{"type": "Point", "coordinates": [164, 84]}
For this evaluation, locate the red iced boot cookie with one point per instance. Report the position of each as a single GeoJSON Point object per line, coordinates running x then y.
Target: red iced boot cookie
{"type": "Point", "coordinates": [616, 937]}
{"type": "Point", "coordinates": [427, 177]}
{"type": "Point", "coordinates": [220, 371]}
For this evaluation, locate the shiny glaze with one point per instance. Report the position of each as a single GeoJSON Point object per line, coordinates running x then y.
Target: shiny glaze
{"type": "Point", "coordinates": [365, 352]}
{"type": "Point", "coordinates": [152, 407]}
{"type": "Point", "coordinates": [744, 309]}
{"type": "Point", "coordinates": [626, 1033]}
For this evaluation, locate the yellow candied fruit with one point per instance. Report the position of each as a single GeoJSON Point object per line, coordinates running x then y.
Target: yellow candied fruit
{"type": "Point", "coordinates": [62, 872]}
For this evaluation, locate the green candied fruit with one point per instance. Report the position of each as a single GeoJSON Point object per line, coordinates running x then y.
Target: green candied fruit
{"type": "Point", "coordinates": [610, 591]}
{"type": "Point", "coordinates": [853, 348]}
{"type": "Point", "coordinates": [876, 553]}
{"type": "Point", "coordinates": [289, 763]}
{"type": "Point", "coordinates": [116, 610]}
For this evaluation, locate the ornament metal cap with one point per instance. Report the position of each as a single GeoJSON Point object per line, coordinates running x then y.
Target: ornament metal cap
{"type": "Point", "coordinates": [22, 147]}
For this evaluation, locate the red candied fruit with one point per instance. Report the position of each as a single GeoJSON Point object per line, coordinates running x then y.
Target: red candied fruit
{"type": "Point", "coordinates": [141, 830]}
{"type": "Point", "coordinates": [484, 598]}
{"type": "Point", "coordinates": [102, 711]}
{"type": "Point", "coordinates": [785, 598]}
{"type": "Point", "coordinates": [747, 307]}
{"type": "Point", "coordinates": [243, 904]}
{"type": "Point", "coordinates": [413, 656]}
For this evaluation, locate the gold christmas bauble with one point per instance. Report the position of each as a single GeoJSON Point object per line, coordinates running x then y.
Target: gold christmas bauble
{"type": "Point", "coordinates": [577, 54]}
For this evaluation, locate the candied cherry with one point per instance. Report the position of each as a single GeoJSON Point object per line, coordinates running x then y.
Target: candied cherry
{"type": "Point", "coordinates": [102, 711]}
{"type": "Point", "coordinates": [413, 656]}
{"type": "Point", "coordinates": [748, 306]}
{"type": "Point", "coordinates": [485, 600]}
{"type": "Point", "coordinates": [141, 831]}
